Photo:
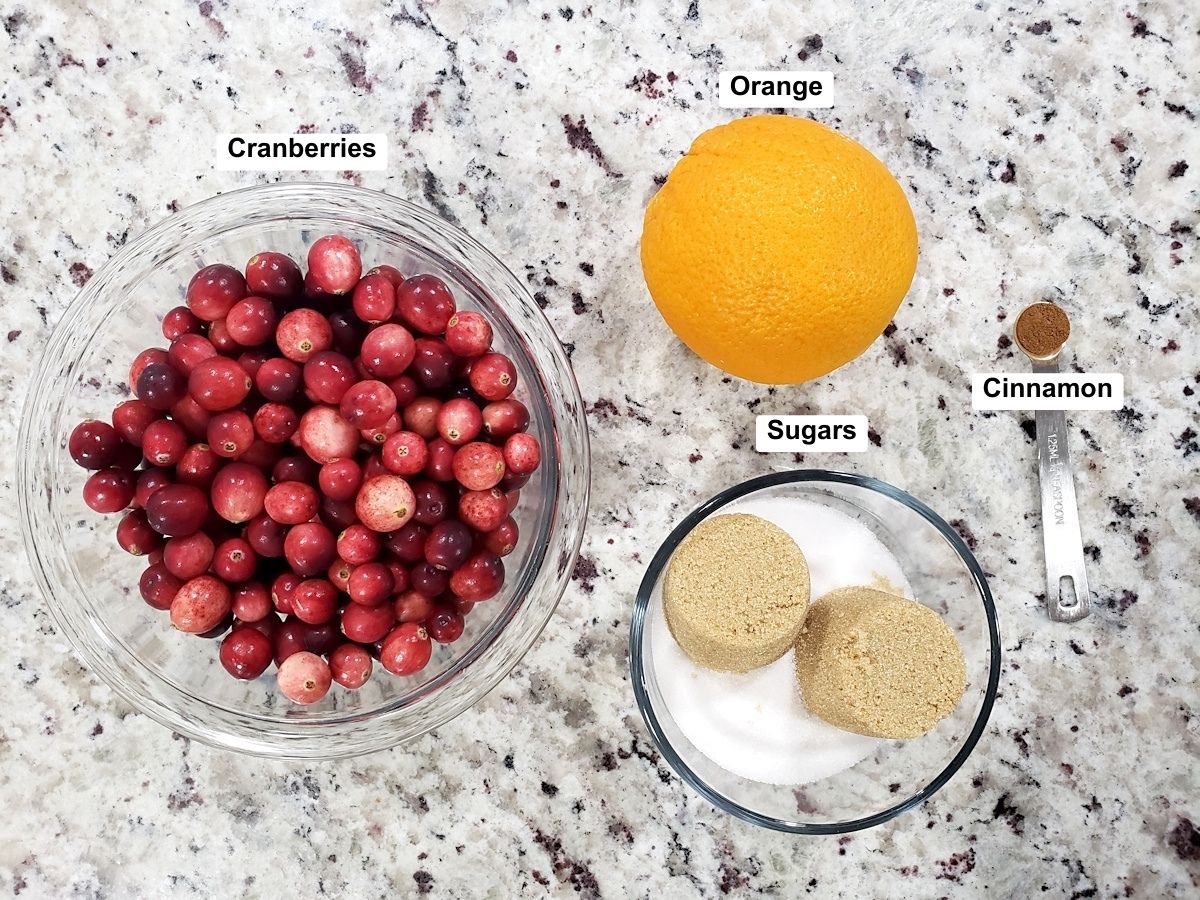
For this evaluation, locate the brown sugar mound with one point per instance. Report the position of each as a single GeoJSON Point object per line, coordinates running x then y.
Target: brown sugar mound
{"type": "Point", "coordinates": [735, 593]}
{"type": "Point", "coordinates": [877, 664]}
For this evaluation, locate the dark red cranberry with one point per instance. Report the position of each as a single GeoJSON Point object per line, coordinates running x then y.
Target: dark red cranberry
{"type": "Point", "coordinates": [439, 463]}
{"type": "Point", "coordinates": [252, 361]}
{"type": "Point", "coordinates": [358, 544]}
{"type": "Point", "coordinates": [445, 624]}
{"type": "Point", "coordinates": [278, 379]}
{"type": "Point", "coordinates": [406, 389]}
{"type": "Point", "coordinates": [151, 356]}
{"type": "Point", "coordinates": [348, 332]}
{"type": "Point", "coordinates": [222, 340]}
{"type": "Point", "coordinates": [131, 418]}
{"type": "Point", "coordinates": [189, 556]}
{"type": "Point", "coordinates": [314, 601]}
{"type": "Point", "coordinates": [350, 665]}
{"type": "Point", "coordinates": [391, 273]}
{"type": "Point", "coordinates": [149, 481]}
{"type": "Point", "coordinates": [368, 404]}
{"type": "Point", "coordinates": [158, 586]}
{"type": "Point", "coordinates": [198, 466]}
{"type": "Point", "coordinates": [218, 384]}
{"type": "Point", "coordinates": [289, 640]}
{"type": "Point", "coordinates": [193, 417]}
{"type": "Point", "coordinates": [432, 502]}
{"type": "Point", "coordinates": [213, 290]}
{"type": "Point", "coordinates": [378, 436]}
{"type": "Point", "coordinates": [367, 624]}
{"type": "Point", "coordinates": [375, 298]}
{"type": "Point", "coordinates": [502, 540]}
{"type": "Point", "coordinates": [251, 321]}
{"type": "Point", "coordinates": [230, 433]}
{"type": "Point", "coordinates": [108, 491]}
{"type": "Point", "coordinates": [273, 275]}
{"type": "Point", "coordinates": [296, 468]}
{"type": "Point", "coordinates": [310, 548]}
{"type": "Point", "coordinates": [177, 510]}
{"type": "Point", "coordinates": [340, 479]}
{"type": "Point", "coordinates": [479, 578]}
{"type": "Point", "coordinates": [246, 653]}
{"type": "Point", "coordinates": [371, 584]}
{"type": "Point", "coordinates": [433, 363]}
{"type": "Point", "coordinates": [504, 418]}
{"type": "Point", "coordinates": [427, 580]}
{"type": "Point", "coordinates": [406, 649]}
{"type": "Point", "coordinates": [424, 303]}
{"type": "Point", "coordinates": [135, 535]}
{"type": "Point", "coordinates": [448, 545]}
{"type": "Point", "coordinates": [266, 536]}
{"type": "Point", "coordinates": [94, 444]}
{"type": "Point", "coordinates": [324, 638]}
{"type": "Point", "coordinates": [189, 350]}
{"type": "Point", "coordinates": [160, 385]}
{"type": "Point", "coordinates": [180, 320]}
{"type": "Point", "coordinates": [252, 602]}
{"type": "Point", "coordinates": [234, 560]}
{"type": "Point", "coordinates": [328, 376]}
{"type": "Point", "coordinates": [282, 589]}
{"type": "Point", "coordinates": [408, 543]}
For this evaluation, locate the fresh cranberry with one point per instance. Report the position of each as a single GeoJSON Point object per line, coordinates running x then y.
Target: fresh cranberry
{"type": "Point", "coordinates": [252, 361]}
{"type": "Point", "coordinates": [420, 417]}
{"type": "Point", "coordinates": [245, 653]}
{"type": "Point", "coordinates": [180, 320]}
{"type": "Point", "coordinates": [314, 601]}
{"type": "Point", "coordinates": [348, 332]}
{"type": "Point", "coordinates": [371, 584]}
{"type": "Point", "coordinates": [296, 468]}
{"type": "Point", "coordinates": [358, 544]}
{"type": "Point", "coordinates": [262, 454]}
{"type": "Point", "coordinates": [222, 340]}
{"type": "Point", "coordinates": [468, 334]}
{"type": "Point", "coordinates": [433, 363]}
{"type": "Point", "coordinates": [334, 264]}
{"type": "Point", "coordinates": [374, 298]}
{"type": "Point", "coordinates": [94, 444]}
{"type": "Point", "coordinates": [218, 384]}
{"type": "Point", "coordinates": [325, 436]}
{"type": "Point", "coordinates": [108, 491]}
{"type": "Point", "coordinates": [493, 376]}
{"type": "Point", "coordinates": [350, 665]}
{"type": "Point", "coordinates": [440, 462]}
{"type": "Point", "coordinates": [200, 605]}
{"type": "Point", "coordinates": [309, 548]}
{"type": "Point", "coordinates": [289, 640]}
{"type": "Point", "coordinates": [425, 579]}
{"type": "Point", "coordinates": [412, 606]}
{"type": "Point", "coordinates": [406, 390]}
{"type": "Point", "coordinates": [213, 290]}
{"type": "Point", "coordinates": [135, 535]}
{"type": "Point", "coordinates": [292, 502]}
{"type": "Point", "coordinates": [405, 453]}
{"type": "Point", "coordinates": [368, 404]}
{"type": "Point", "coordinates": [252, 602]}
{"type": "Point", "coordinates": [433, 504]}
{"type": "Point", "coordinates": [189, 350]}
{"type": "Point", "coordinates": [479, 578]}
{"type": "Point", "coordinates": [275, 423]}
{"type": "Point", "coordinates": [513, 497]}
{"type": "Point", "coordinates": [152, 356]}
{"type": "Point", "coordinates": [283, 589]}
{"type": "Point", "coordinates": [445, 624]}
{"type": "Point", "coordinates": [177, 510]}
{"type": "Point", "coordinates": [160, 385]}
{"type": "Point", "coordinates": [278, 379]}
{"type": "Point", "coordinates": [131, 418]}
{"type": "Point", "coordinates": [425, 304]}
{"type": "Point", "coordinates": [367, 624]}
{"type": "Point", "coordinates": [483, 510]}
{"type": "Point", "coordinates": [193, 417]}
{"type": "Point", "coordinates": [324, 638]}
{"type": "Point", "coordinates": [406, 649]}
{"type": "Point", "coordinates": [522, 454]}
{"type": "Point", "coordinates": [302, 334]}
{"type": "Point", "coordinates": [273, 275]}
{"type": "Point", "coordinates": [158, 586]}
{"type": "Point", "coordinates": [479, 466]}
{"type": "Point", "coordinates": [303, 677]}
{"type": "Point", "coordinates": [340, 479]}
{"type": "Point", "coordinates": [230, 433]}
{"type": "Point", "coordinates": [502, 540]}
{"type": "Point", "coordinates": [459, 421]}
{"type": "Point", "coordinates": [266, 536]}
{"type": "Point", "coordinates": [338, 514]}
{"type": "Point", "coordinates": [238, 492]}
{"type": "Point", "coordinates": [448, 545]}
{"type": "Point", "coordinates": [504, 418]}
{"type": "Point", "coordinates": [189, 556]}
{"type": "Point", "coordinates": [234, 560]}
{"type": "Point", "coordinates": [378, 435]}
{"type": "Point", "coordinates": [328, 376]}
{"type": "Point", "coordinates": [339, 573]}
{"type": "Point", "coordinates": [408, 544]}
{"type": "Point", "coordinates": [268, 626]}
{"type": "Point", "coordinates": [164, 443]}
{"type": "Point", "coordinates": [388, 350]}
{"type": "Point", "coordinates": [464, 607]}
{"type": "Point", "coordinates": [385, 503]}
{"type": "Point", "coordinates": [148, 481]}
{"type": "Point", "coordinates": [391, 273]}
{"type": "Point", "coordinates": [251, 321]}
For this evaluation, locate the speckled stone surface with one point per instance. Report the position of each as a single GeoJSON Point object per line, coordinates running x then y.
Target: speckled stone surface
{"type": "Point", "coordinates": [1050, 154]}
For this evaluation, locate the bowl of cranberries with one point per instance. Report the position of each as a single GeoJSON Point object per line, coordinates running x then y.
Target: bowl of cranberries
{"type": "Point", "coordinates": [304, 471]}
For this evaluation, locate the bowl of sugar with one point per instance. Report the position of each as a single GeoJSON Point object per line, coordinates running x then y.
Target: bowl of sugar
{"type": "Point", "coordinates": [885, 684]}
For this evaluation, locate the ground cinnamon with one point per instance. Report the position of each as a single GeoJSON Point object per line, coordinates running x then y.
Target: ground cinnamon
{"type": "Point", "coordinates": [1042, 329]}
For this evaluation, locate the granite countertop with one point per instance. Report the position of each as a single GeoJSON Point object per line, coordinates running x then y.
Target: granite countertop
{"type": "Point", "coordinates": [1051, 154]}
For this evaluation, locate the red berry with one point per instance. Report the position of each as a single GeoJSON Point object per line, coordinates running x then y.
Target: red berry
{"type": "Point", "coordinates": [303, 677]}
{"type": "Point", "coordinates": [275, 423]}
{"type": "Point", "coordinates": [198, 466]}
{"type": "Point", "coordinates": [479, 466]}
{"type": "Point", "coordinates": [189, 556]}
{"type": "Point", "coordinates": [445, 624]}
{"type": "Point", "coordinates": [328, 376]}
{"type": "Point", "coordinates": [448, 545]}
{"type": "Point", "coordinates": [468, 334]}
{"type": "Point", "coordinates": [412, 606]}
{"type": "Point", "coordinates": [340, 479]}
{"type": "Point", "coordinates": [151, 356]}
{"type": "Point", "coordinates": [108, 491]}
{"type": "Point", "coordinates": [420, 416]}
{"type": "Point", "coordinates": [278, 379]}
{"type": "Point", "coordinates": [483, 510]}
{"type": "Point", "coordinates": [238, 492]}
{"type": "Point", "coordinates": [273, 275]}
{"type": "Point", "coordinates": [245, 653]}
{"type": "Point", "coordinates": [459, 421]}
{"type": "Point", "coordinates": [408, 544]}
{"type": "Point", "coordinates": [283, 588]}
{"type": "Point", "coordinates": [338, 514]}
{"type": "Point", "coordinates": [180, 320]}
{"type": "Point", "coordinates": [350, 666]}
{"type": "Point", "coordinates": [135, 535]}
{"type": "Point", "coordinates": [339, 573]}
{"type": "Point", "coordinates": [309, 548]}
{"type": "Point", "coordinates": [302, 334]}
{"type": "Point", "coordinates": [177, 510]}
{"type": "Point", "coordinates": [219, 337]}
{"type": "Point", "coordinates": [314, 601]}
{"type": "Point", "coordinates": [375, 298]}
{"type": "Point", "coordinates": [149, 481]}
{"type": "Point", "coordinates": [158, 586]}
{"type": "Point", "coordinates": [433, 363]}
{"type": "Point", "coordinates": [391, 273]}
{"type": "Point", "coordinates": [440, 464]}
{"type": "Point", "coordinates": [406, 649]}
{"type": "Point", "coordinates": [493, 376]}
{"type": "Point", "coordinates": [296, 468]}
{"type": "Point", "coordinates": [522, 454]}
{"type": "Point", "coordinates": [292, 502]}
{"type": "Point", "coordinates": [218, 384]}
{"type": "Point", "coordinates": [325, 436]}
{"type": "Point", "coordinates": [378, 435]}
{"type": "Point", "coordinates": [367, 624]}
{"type": "Point", "coordinates": [251, 322]}
{"type": "Point", "coordinates": [432, 502]}
{"type": "Point", "coordinates": [428, 580]}
{"type": "Point", "coordinates": [479, 578]}
{"type": "Point", "coordinates": [385, 503]}
{"type": "Point", "coordinates": [368, 404]}
{"type": "Point", "coordinates": [334, 265]}
{"type": "Point", "coordinates": [189, 350]}
{"type": "Point", "coordinates": [131, 418]}
{"type": "Point", "coordinates": [425, 304]}
{"type": "Point", "coordinates": [371, 584]}
{"type": "Point", "coordinates": [405, 388]}
{"type": "Point", "coordinates": [94, 444]}
{"type": "Point", "coordinates": [504, 418]}
{"type": "Point", "coordinates": [230, 434]}
{"type": "Point", "coordinates": [503, 539]}
{"type": "Point", "coordinates": [266, 536]}
{"type": "Point", "coordinates": [200, 605]}
{"type": "Point", "coordinates": [405, 453]}
{"type": "Point", "coordinates": [262, 454]}
{"type": "Point", "coordinates": [387, 351]}
{"type": "Point", "coordinates": [252, 603]}
{"type": "Point", "coordinates": [234, 561]}
{"type": "Point", "coordinates": [290, 639]}
{"type": "Point", "coordinates": [193, 417]}
{"type": "Point", "coordinates": [358, 544]}
{"type": "Point", "coordinates": [213, 290]}
{"type": "Point", "coordinates": [160, 385]}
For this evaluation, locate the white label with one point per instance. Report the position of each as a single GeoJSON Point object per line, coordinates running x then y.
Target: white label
{"type": "Point", "coordinates": [1029, 391]}
{"type": "Point", "coordinates": [301, 152]}
{"type": "Point", "coordinates": [810, 434]}
{"type": "Point", "coordinates": [793, 90]}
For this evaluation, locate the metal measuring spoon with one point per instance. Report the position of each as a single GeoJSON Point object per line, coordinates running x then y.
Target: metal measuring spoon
{"type": "Point", "coordinates": [1067, 596]}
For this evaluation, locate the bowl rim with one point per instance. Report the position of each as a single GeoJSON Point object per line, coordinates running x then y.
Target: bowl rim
{"type": "Point", "coordinates": [641, 607]}
{"type": "Point", "coordinates": [568, 511]}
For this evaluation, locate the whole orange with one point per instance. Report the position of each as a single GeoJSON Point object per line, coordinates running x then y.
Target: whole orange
{"type": "Point", "coordinates": [778, 249]}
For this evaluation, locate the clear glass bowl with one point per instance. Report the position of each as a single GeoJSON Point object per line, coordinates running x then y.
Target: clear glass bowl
{"type": "Point", "coordinates": [900, 774]}
{"type": "Point", "coordinates": [90, 585]}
